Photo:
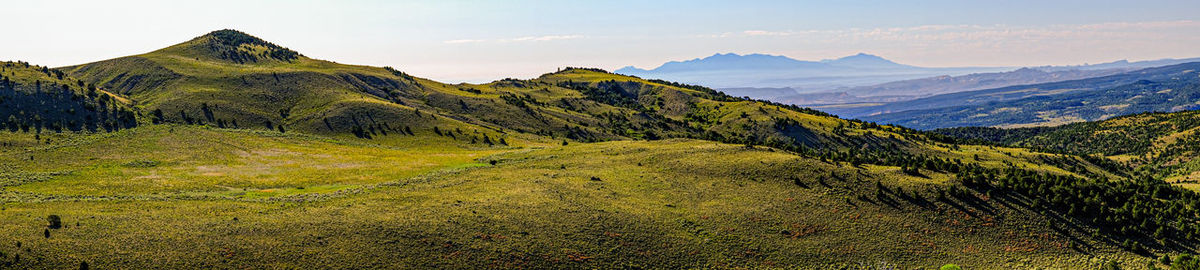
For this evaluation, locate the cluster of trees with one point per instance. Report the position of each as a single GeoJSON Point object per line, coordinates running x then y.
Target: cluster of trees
{"type": "Point", "coordinates": [608, 92]}
{"type": "Point", "coordinates": [50, 106]}
{"type": "Point", "coordinates": [1183, 262]}
{"type": "Point", "coordinates": [373, 130]}
{"type": "Point", "coordinates": [1164, 163]}
{"type": "Point", "coordinates": [457, 133]}
{"type": "Point", "coordinates": [398, 73]}
{"type": "Point", "coordinates": [209, 118]}
{"type": "Point", "coordinates": [584, 69]}
{"type": "Point", "coordinates": [521, 101]}
{"type": "Point", "coordinates": [227, 43]}
{"type": "Point", "coordinates": [1141, 208]}
{"type": "Point", "coordinates": [992, 135]}
{"type": "Point", "coordinates": [1137, 137]}
{"type": "Point", "coordinates": [1140, 136]}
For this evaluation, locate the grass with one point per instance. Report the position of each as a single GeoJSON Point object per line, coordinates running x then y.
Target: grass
{"type": "Point", "coordinates": [177, 159]}
{"type": "Point", "coordinates": [323, 202]}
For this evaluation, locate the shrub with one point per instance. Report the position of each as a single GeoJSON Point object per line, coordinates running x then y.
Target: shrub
{"type": "Point", "coordinates": [55, 221]}
{"type": "Point", "coordinates": [950, 267]}
{"type": "Point", "coordinates": [1186, 261]}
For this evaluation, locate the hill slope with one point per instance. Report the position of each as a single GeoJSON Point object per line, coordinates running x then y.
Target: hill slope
{"type": "Point", "coordinates": [228, 78]}
{"type": "Point", "coordinates": [38, 99]}
{"type": "Point", "coordinates": [1161, 145]}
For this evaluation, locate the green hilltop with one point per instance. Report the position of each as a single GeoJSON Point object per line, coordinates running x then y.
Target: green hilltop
{"type": "Point", "coordinates": [245, 154]}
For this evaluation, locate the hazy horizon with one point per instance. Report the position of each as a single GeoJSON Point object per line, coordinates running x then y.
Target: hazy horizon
{"type": "Point", "coordinates": [468, 41]}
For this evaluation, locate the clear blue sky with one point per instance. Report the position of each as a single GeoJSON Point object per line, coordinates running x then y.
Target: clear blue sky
{"type": "Point", "coordinates": [485, 40]}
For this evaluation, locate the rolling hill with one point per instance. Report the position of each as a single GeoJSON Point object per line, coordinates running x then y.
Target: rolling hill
{"type": "Point", "coordinates": [1160, 145]}
{"type": "Point", "coordinates": [250, 155]}
{"type": "Point", "coordinates": [230, 79]}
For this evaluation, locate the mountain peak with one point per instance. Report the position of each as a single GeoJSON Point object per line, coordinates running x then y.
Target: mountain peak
{"type": "Point", "coordinates": [865, 56]}
{"type": "Point", "coordinates": [864, 60]}
{"type": "Point", "coordinates": [234, 46]}
{"type": "Point", "coordinates": [231, 37]}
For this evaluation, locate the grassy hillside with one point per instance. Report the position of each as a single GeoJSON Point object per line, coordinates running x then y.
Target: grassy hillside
{"type": "Point", "coordinates": [230, 79]}
{"type": "Point", "coordinates": [1160, 145]}
{"type": "Point", "coordinates": [38, 99]}
{"type": "Point", "coordinates": [199, 82]}
{"type": "Point", "coordinates": [195, 197]}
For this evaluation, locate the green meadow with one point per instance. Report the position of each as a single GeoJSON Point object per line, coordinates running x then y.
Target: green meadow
{"type": "Point", "coordinates": [196, 197]}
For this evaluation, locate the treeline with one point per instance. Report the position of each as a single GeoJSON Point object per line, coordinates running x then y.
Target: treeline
{"type": "Point", "coordinates": [992, 135]}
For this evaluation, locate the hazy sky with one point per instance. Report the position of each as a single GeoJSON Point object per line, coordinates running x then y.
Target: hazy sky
{"type": "Point", "coordinates": [478, 41]}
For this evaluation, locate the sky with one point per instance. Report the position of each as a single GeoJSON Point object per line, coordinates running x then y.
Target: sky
{"type": "Point", "coordinates": [479, 41]}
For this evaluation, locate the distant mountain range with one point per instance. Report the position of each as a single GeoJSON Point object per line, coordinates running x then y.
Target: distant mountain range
{"type": "Point", "coordinates": [1123, 64]}
{"type": "Point", "coordinates": [1046, 95]}
{"type": "Point", "coordinates": [950, 84]}
{"type": "Point", "coordinates": [1165, 89]}
{"type": "Point", "coordinates": [732, 61]}
{"type": "Point", "coordinates": [862, 78]}
{"type": "Point", "coordinates": [731, 70]}
{"type": "Point", "coordinates": [924, 87]}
